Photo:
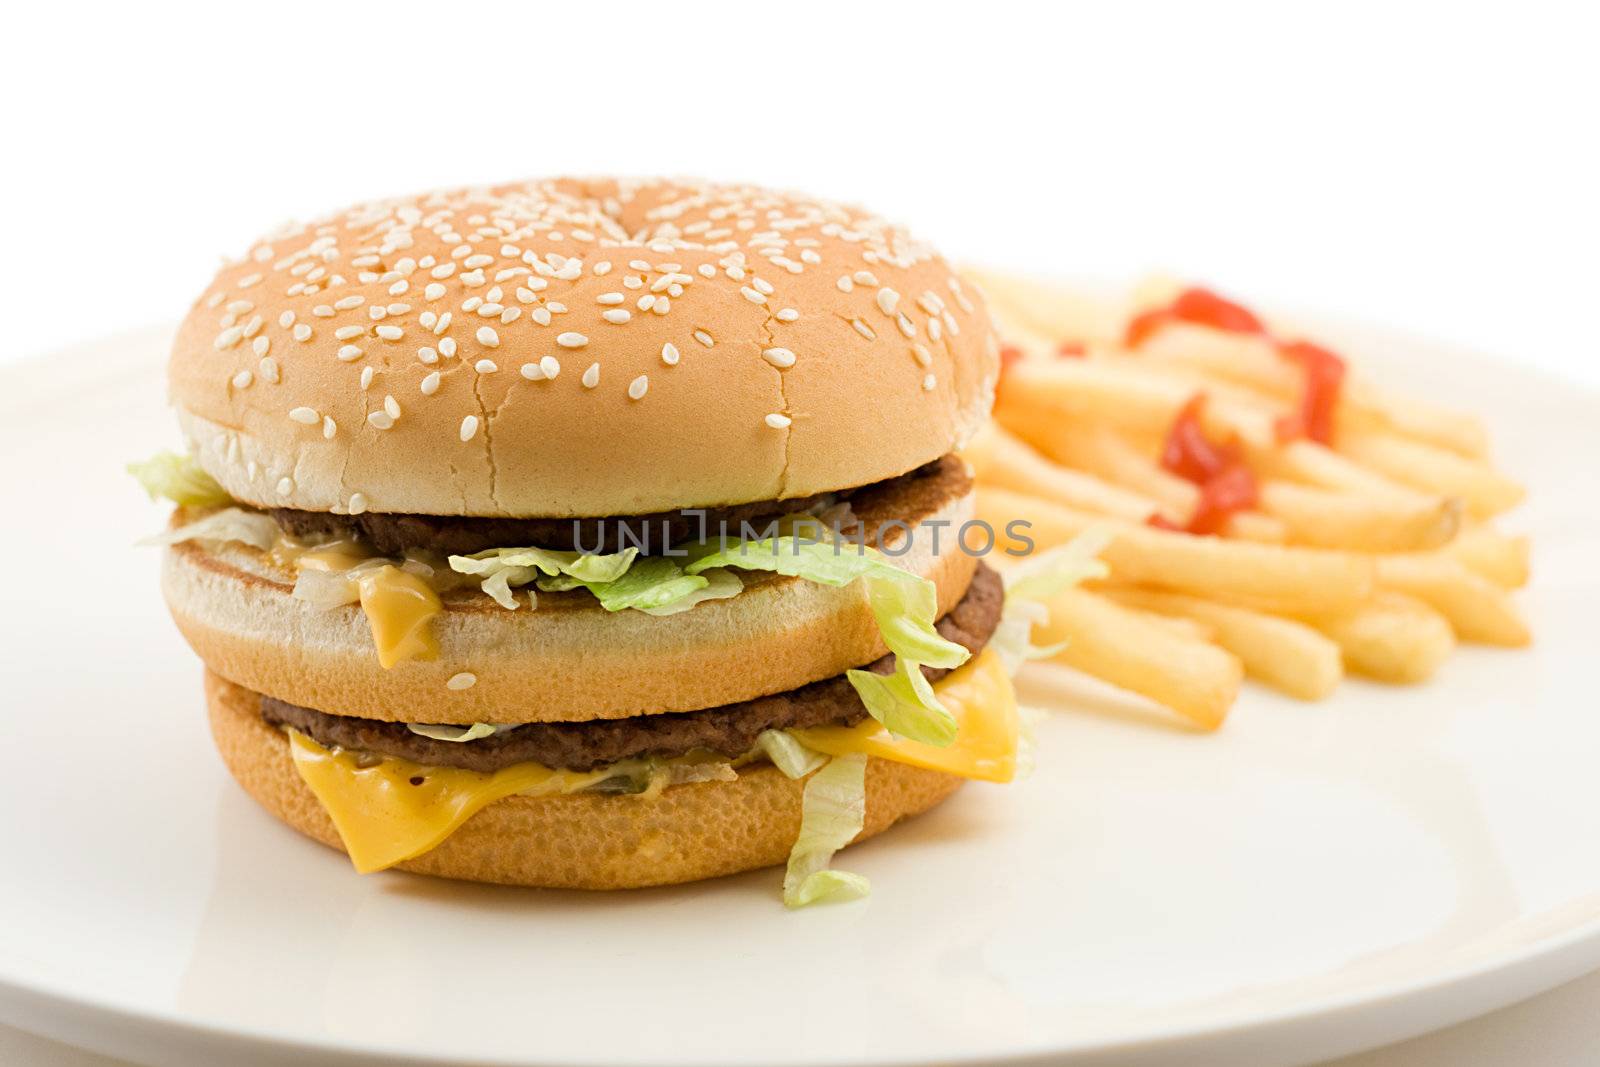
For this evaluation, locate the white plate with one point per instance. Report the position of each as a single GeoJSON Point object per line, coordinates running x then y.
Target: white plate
{"type": "Point", "coordinates": [1313, 880]}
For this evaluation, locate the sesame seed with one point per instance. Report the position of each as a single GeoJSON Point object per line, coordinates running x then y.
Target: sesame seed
{"type": "Point", "coordinates": [260, 345]}
{"type": "Point", "coordinates": [888, 300]}
{"type": "Point", "coordinates": [349, 353]}
{"type": "Point", "coordinates": [602, 267]}
{"type": "Point", "coordinates": [228, 338]}
{"type": "Point", "coordinates": [908, 328]}
{"type": "Point", "coordinates": [485, 366]}
{"type": "Point", "coordinates": [863, 329]}
{"type": "Point", "coordinates": [358, 503]}
{"type": "Point", "coordinates": [550, 366]}
{"type": "Point", "coordinates": [463, 680]}
{"type": "Point", "coordinates": [787, 315]}
{"type": "Point", "coordinates": [778, 421]}
{"type": "Point", "coordinates": [285, 486]}
{"type": "Point", "coordinates": [488, 337]}
{"type": "Point", "coordinates": [929, 382]}
{"type": "Point", "coordinates": [704, 338]}
{"type": "Point", "coordinates": [243, 379]}
{"type": "Point", "coordinates": [302, 332]}
{"type": "Point", "coordinates": [269, 370]}
{"type": "Point", "coordinates": [345, 333]}
{"type": "Point", "coordinates": [390, 333]}
{"type": "Point", "coordinates": [617, 316]}
{"type": "Point", "coordinates": [865, 277]}
{"type": "Point", "coordinates": [469, 427]}
{"type": "Point", "coordinates": [571, 340]}
{"type": "Point", "coordinates": [646, 302]}
{"type": "Point", "coordinates": [921, 354]}
{"type": "Point", "coordinates": [447, 347]}
{"type": "Point", "coordinates": [533, 372]}
{"type": "Point", "coordinates": [427, 355]}
{"type": "Point", "coordinates": [591, 377]}
{"type": "Point", "coordinates": [380, 420]}
{"type": "Point", "coordinates": [610, 298]}
{"type": "Point", "coordinates": [329, 427]}
{"type": "Point", "coordinates": [308, 416]}
{"type": "Point", "coordinates": [366, 378]}
{"type": "Point", "coordinates": [638, 387]}
{"type": "Point", "coordinates": [349, 302]}
{"type": "Point", "coordinates": [286, 320]}
{"type": "Point", "coordinates": [669, 354]}
{"type": "Point", "coordinates": [392, 407]}
{"type": "Point", "coordinates": [778, 357]}
{"type": "Point", "coordinates": [430, 383]}
{"type": "Point", "coordinates": [752, 296]}
{"type": "Point", "coordinates": [844, 283]}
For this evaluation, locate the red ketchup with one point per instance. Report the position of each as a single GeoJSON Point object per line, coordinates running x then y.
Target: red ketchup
{"type": "Point", "coordinates": [1324, 371]}
{"type": "Point", "coordinates": [1218, 468]}
{"type": "Point", "coordinates": [1072, 350]}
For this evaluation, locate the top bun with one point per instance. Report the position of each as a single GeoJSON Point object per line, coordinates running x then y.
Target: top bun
{"type": "Point", "coordinates": [579, 348]}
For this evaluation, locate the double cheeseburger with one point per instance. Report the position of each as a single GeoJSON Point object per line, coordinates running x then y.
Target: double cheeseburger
{"type": "Point", "coordinates": [589, 533]}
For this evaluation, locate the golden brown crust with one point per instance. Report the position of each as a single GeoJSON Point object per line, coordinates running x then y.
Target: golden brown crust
{"type": "Point", "coordinates": [860, 342]}
{"type": "Point", "coordinates": [570, 660]}
{"type": "Point", "coordinates": [580, 841]}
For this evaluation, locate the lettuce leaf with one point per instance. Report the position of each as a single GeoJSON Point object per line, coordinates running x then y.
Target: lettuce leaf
{"type": "Point", "coordinates": [833, 809]}
{"type": "Point", "coordinates": [905, 703]}
{"type": "Point", "coordinates": [180, 479]}
{"type": "Point", "coordinates": [720, 585]}
{"type": "Point", "coordinates": [1045, 574]}
{"type": "Point", "coordinates": [230, 524]}
{"type": "Point", "coordinates": [904, 605]}
{"type": "Point", "coordinates": [786, 752]}
{"type": "Point", "coordinates": [503, 569]}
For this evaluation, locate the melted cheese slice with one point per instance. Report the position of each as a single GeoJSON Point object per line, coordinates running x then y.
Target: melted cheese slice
{"type": "Point", "coordinates": [980, 697]}
{"type": "Point", "coordinates": [392, 810]}
{"type": "Point", "coordinates": [400, 608]}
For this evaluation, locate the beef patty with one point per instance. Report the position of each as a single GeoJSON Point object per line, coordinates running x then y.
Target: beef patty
{"type": "Point", "coordinates": [393, 534]}
{"type": "Point", "coordinates": [729, 730]}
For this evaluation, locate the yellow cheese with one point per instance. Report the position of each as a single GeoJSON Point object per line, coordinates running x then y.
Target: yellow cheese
{"type": "Point", "coordinates": [980, 697]}
{"type": "Point", "coordinates": [400, 608]}
{"type": "Point", "coordinates": [393, 809]}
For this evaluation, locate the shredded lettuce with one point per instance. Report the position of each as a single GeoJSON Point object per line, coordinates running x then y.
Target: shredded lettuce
{"type": "Point", "coordinates": [786, 752]}
{"type": "Point", "coordinates": [180, 479]}
{"type": "Point", "coordinates": [230, 524]}
{"type": "Point", "coordinates": [503, 569]}
{"type": "Point", "coordinates": [453, 733]}
{"type": "Point", "coordinates": [1036, 580]}
{"type": "Point", "coordinates": [832, 812]}
{"type": "Point", "coordinates": [720, 585]}
{"type": "Point", "coordinates": [905, 607]}
{"type": "Point", "coordinates": [1044, 575]}
{"type": "Point", "coordinates": [653, 582]}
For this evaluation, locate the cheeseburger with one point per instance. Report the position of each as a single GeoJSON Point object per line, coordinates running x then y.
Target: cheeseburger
{"type": "Point", "coordinates": [590, 533]}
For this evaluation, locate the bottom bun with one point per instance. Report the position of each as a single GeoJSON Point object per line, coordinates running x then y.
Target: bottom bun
{"type": "Point", "coordinates": [581, 840]}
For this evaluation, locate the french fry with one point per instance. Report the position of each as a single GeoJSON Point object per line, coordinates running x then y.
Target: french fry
{"type": "Point", "coordinates": [1498, 557]}
{"type": "Point", "coordinates": [1477, 609]}
{"type": "Point", "coordinates": [1287, 655]}
{"type": "Point", "coordinates": [1254, 361]}
{"type": "Point", "coordinates": [1390, 638]}
{"type": "Point", "coordinates": [1360, 522]}
{"type": "Point", "coordinates": [1113, 458]}
{"type": "Point", "coordinates": [1486, 491]}
{"type": "Point", "coordinates": [1270, 577]}
{"type": "Point", "coordinates": [1056, 311]}
{"type": "Point", "coordinates": [1197, 680]}
{"type": "Point", "coordinates": [1004, 460]}
{"type": "Point", "coordinates": [1316, 464]}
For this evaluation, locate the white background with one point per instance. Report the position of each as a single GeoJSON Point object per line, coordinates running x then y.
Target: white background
{"type": "Point", "coordinates": [1430, 167]}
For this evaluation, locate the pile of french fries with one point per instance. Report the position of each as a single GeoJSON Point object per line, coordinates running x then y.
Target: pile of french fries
{"type": "Point", "coordinates": [1372, 554]}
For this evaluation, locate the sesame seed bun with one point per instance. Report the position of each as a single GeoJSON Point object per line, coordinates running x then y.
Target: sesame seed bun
{"type": "Point", "coordinates": [583, 840]}
{"type": "Point", "coordinates": [569, 660]}
{"type": "Point", "coordinates": [579, 348]}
